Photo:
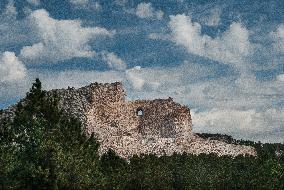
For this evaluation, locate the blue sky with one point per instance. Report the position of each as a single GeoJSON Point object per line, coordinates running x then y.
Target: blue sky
{"type": "Point", "coordinates": [223, 59]}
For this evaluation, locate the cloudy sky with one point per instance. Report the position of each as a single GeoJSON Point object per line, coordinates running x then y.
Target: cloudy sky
{"type": "Point", "coordinates": [223, 59]}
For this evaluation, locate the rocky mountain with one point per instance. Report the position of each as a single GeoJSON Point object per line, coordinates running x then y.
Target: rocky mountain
{"type": "Point", "coordinates": [159, 126]}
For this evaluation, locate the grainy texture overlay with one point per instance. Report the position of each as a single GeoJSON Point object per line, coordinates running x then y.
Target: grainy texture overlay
{"type": "Point", "coordinates": [158, 126]}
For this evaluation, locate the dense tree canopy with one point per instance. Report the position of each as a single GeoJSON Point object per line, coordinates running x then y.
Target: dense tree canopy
{"type": "Point", "coordinates": [41, 148]}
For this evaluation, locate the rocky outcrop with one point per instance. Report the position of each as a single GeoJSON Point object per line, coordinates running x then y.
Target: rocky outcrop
{"type": "Point", "coordinates": [159, 126]}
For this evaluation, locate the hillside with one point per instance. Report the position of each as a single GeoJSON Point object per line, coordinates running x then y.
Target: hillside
{"type": "Point", "coordinates": [43, 148]}
{"type": "Point", "coordinates": [163, 127]}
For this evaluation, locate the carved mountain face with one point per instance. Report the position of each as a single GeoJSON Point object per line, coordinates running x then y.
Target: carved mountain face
{"type": "Point", "coordinates": [159, 126]}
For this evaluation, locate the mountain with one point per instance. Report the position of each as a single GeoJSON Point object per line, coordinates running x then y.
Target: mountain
{"type": "Point", "coordinates": [159, 126]}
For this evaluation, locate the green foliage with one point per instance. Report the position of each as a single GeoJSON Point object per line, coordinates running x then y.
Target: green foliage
{"type": "Point", "coordinates": [193, 172]}
{"type": "Point", "coordinates": [43, 149]}
{"type": "Point", "coordinates": [149, 172]}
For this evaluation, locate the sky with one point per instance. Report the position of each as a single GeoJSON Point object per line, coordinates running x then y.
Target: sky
{"type": "Point", "coordinates": [223, 59]}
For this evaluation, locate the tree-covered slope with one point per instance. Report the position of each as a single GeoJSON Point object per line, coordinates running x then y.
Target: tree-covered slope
{"type": "Point", "coordinates": [41, 148]}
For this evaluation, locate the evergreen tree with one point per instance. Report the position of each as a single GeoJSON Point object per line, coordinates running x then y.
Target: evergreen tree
{"type": "Point", "coordinates": [52, 150]}
{"type": "Point", "coordinates": [42, 148]}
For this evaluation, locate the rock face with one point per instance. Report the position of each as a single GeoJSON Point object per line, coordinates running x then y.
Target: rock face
{"type": "Point", "coordinates": [158, 126]}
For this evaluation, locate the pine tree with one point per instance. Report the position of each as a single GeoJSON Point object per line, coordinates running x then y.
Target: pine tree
{"type": "Point", "coordinates": [52, 149]}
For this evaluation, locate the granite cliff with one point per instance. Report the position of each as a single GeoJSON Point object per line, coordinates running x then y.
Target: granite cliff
{"type": "Point", "coordinates": [159, 126]}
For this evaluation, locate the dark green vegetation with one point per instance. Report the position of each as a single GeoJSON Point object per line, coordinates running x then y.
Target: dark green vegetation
{"type": "Point", "coordinates": [43, 149]}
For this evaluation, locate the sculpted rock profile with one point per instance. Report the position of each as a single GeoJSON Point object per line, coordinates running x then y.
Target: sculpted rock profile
{"type": "Point", "coordinates": [158, 126]}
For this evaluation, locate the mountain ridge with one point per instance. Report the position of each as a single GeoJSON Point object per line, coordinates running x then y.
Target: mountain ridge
{"type": "Point", "coordinates": [163, 128]}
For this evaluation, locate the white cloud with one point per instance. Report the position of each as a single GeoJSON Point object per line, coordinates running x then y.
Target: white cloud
{"type": "Point", "coordinates": [220, 105]}
{"type": "Point", "coordinates": [278, 37]}
{"type": "Point", "coordinates": [113, 61]}
{"type": "Point", "coordinates": [159, 82]}
{"type": "Point", "coordinates": [280, 77]}
{"type": "Point", "coordinates": [121, 2]}
{"type": "Point", "coordinates": [146, 10]}
{"type": "Point", "coordinates": [157, 36]}
{"type": "Point", "coordinates": [220, 120]}
{"type": "Point", "coordinates": [97, 6]}
{"type": "Point", "coordinates": [145, 81]}
{"type": "Point", "coordinates": [86, 4]}
{"type": "Point", "coordinates": [12, 31]}
{"type": "Point", "coordinates": [232, 47]}
{"type": "Point", "coordinates": [79, 2]}
{"type": "Point", "coordinates": [10, 12]}
{"type": "Point", "coordinates": [52, 79]}
{"type": "Point", "coordinates": [75, 78]}
{"type": "Point", "coordinates": [243, 107]}
{"type": "Point", "coordinates": [11, 68]}
{"type": "Point", "coordinates": [262, 126]}
{"type": "Point", "coordinates": [132, 75]}
{"type": "Point", "coordinates": [60, 39]}
{"type": "Point", "coordinates": [34, 2]}
{"type": "Point", "coordinates": [213, 19]}
{"type": "Point", "coordinates": [188, 83]}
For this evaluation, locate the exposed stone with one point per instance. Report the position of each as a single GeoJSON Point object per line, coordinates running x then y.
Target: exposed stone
{"type": "Point", "coordinates": [158, 126]}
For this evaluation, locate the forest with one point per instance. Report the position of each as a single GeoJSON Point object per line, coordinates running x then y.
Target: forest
{"type": "Point", "coordinates": [41, 148]}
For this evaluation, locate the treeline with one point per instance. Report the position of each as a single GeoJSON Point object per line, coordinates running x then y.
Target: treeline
{"type": "Point", "coordinates": [43, 149]}
{"type": "Point", "coordinates": [264, 150]}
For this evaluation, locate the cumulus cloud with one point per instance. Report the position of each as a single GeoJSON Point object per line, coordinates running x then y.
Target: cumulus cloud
{"type": "Point", "coordinates": [158, 82]}
{"type": "Point", "coordinates": [10, 11]}
{"type": "Point", "coordinates": [244, 110]}
{"type": "Point", "coordinates": [12, 30]}
{"type": "Point", "coordinates": [132, 75]}
{"type": "Point", "coordinates": [79, 2]}
{"type": "Point", "coordinates": [146, 10]}
{"type": "Point", "coordinates": [280, 77]}
{"type": "Point", "coordinates": [218, 105]}
{"type": "Point", "coordinates": [11, 68]}
{"type": "Point", "coordinates": [75, 78]}
{"type": "Point", "coordinates": [157, 36]}
{"type": "Point", "coordinates": [224, 105]}
{"type": "Point", "coordinates": [52, 79]}
{"type": "Point", "coordinates": [141, 79]}
{"type": "Point", "coordinates": [34, 2]}
{"type": "Point", "coordinates": [213, 19]}
{"type": "Point", "coordinates": [232, 47]}
{"type": "Point", "coordinates": [238, 105]}
{"type": "Point", "coordinates": [120, 2]}
{"type": "Point", "coordinates": [188, 83]}
{"type": "Point", "coordinates": [113, 61]}
{"type": "Point", "coordinates": [86, 4]}
{"type": "Point", "coordinates": [60, 39]}
{"type": "Point", "coordinates": [221, 119]}
{"type": "Point", "coordinates": [278, 37]}
{"type": "Point", "coordinates": [265, 126]}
